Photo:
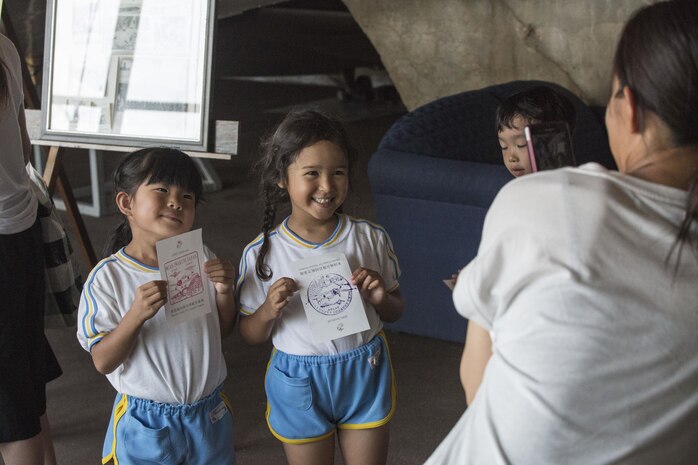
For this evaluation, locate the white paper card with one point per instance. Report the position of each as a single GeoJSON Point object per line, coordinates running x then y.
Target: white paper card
{"type": "Point", "coordinates": [181, 260]}
{"type": "Point", "coordinates": [331, 302]}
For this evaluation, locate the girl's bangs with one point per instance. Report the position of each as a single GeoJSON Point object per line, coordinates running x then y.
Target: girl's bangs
{"type": "Point", "coordinates": [174, 168]}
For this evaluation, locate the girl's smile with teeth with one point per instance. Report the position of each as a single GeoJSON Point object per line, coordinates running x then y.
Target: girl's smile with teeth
{"type": "Point", "coordinates": [317, 183]}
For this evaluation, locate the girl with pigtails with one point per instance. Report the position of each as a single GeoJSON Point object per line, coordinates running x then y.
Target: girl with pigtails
{"type": "Point", "coordinates": [170, 407]}
{"type": "Point", "coordinates": [319, 392]}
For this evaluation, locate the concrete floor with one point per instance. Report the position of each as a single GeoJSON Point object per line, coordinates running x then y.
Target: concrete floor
{"type": "Point", "coordinates": [430, 399]}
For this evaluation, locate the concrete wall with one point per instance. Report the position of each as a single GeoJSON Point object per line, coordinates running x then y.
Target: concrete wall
{"type": "Point", "coordinates": [433, 48]}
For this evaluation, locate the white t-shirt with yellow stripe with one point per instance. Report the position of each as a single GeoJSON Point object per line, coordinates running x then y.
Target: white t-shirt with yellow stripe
{"type": "Point", "coordinates": [170, 363]}
{"type": "Point", "coordinates": [365, 244]}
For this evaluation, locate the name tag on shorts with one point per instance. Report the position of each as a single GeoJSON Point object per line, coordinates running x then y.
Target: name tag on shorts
{"type": "Point", "coordinates": [218, 412]}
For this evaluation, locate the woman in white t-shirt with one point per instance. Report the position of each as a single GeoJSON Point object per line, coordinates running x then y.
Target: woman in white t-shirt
{"type": "Point", "coordinates": [26, 360]}
{"type": "Point", "coordinates": [588, 280]}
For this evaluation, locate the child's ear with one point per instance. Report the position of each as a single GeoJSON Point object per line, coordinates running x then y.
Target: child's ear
{"type": "Point", "coordinates": [281, 183]}
{"type": "Point", "coordinates": [123, 201]}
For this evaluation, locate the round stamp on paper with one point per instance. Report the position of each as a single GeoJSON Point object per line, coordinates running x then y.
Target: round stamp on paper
{"type": "Point", "coordinates": [329, 294]}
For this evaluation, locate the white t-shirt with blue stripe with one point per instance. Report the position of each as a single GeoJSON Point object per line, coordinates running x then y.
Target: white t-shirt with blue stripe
{"type": "Point", "coordinates": [170, 363]}
{"type": "Point", "coordinates": [365, 244]}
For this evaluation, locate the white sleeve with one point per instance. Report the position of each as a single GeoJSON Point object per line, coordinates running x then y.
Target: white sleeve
{"type": "Point", "coordinates": [512, 252]}
{"type": "Point", "coordinates": [250, 289]}
{"type": "Point", "coordinates": [98, 312]}
{"type": "Point", "coordinates": [474, 296]}
{"type": "Point", "coordinates": [389, 266]}
{"type": "Point", "coordinates": [209, 254]}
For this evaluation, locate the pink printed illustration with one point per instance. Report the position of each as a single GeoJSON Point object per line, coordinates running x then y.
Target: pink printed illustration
{"type": "Point", "coordinates": [184, 278]}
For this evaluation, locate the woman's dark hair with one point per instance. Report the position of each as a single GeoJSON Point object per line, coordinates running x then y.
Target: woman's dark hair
{"type": "Point", "coordinates": [657, 58]}
{"type": "Point", "coordinates": [539, 103]}
{"type": "Point", "coordinates": [150, 166]}
{"type": "Point", "coordinates": [298, 130]}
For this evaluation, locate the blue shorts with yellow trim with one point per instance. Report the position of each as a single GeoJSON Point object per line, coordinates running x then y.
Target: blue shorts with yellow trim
{"type": "Point", "coordinates": [309, 397]}
{"type": "Point", "coordinates": [142, 431]}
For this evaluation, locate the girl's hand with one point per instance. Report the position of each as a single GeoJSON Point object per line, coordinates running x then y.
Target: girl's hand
{"type": "Point", "coordinates": [221, 273]}
{"type": "Point", "coordinates": [277, 297]}
{"type": "Point", "coordinates": [371, 285]}
{"type": "Point", "coordinates": [150, 297]}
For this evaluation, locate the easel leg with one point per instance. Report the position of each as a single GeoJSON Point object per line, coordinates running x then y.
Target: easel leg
{"type": "Point", "coordinates": [56, 179]}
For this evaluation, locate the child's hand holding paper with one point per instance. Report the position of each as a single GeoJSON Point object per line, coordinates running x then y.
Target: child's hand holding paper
{"type": "Point", "coordinates": [331, 302]}
{"type": "Point", "coordinates": [370, 284]}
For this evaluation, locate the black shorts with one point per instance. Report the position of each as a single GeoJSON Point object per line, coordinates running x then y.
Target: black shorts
{"type": "Point", "coordinates": [27, 362]}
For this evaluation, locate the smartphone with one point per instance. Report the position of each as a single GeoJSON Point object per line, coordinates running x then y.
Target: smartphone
{"type": "Point", "coordinates": [549, 145]}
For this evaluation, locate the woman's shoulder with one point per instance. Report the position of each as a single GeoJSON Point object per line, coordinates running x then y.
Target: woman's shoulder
{"type": "Point", "coordinates": [5, 41]}
{"type": "Point", "coordinates": [537, 201]}
{"type": "Point", "coordinates": [8, 51]}
{"type": "Point", "coordinates": [547, 186]}
{"type": "Point", "coordinates": [589, 181]}
{"type": "Point", "coordinates": [587, 170]}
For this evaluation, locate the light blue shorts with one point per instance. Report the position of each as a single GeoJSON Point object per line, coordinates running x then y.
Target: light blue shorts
{"type": "Point", "coordinates": [142, 431]}
{"type": "Point", "coordinates": [309, 397]}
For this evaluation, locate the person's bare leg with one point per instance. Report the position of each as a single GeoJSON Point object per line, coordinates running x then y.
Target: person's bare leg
{"type": "Point", "coordinates": [25, 452]}
{"type": "Point", "coordinates": [312, 453]}
{"type": "Point", "coordinates": [365, 446]}
{"type": "Point", "coordinates": [49, 452]}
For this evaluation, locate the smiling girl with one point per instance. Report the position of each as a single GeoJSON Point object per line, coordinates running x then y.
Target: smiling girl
{"type": "Point", "coordinates": [169, 406]}
{"type": "Point", "coordinates": [342, 388]}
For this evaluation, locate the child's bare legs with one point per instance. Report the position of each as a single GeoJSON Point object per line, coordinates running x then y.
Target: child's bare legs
{"type": "Point", "coordinates": [365, 446]}
{"type": "Point", "coordinates": [312, 453]}
{"type": "Point", "coordinates": [358, 446]}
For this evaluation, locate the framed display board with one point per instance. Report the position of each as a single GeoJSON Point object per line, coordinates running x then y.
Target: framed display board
{"type": "Point", "coordinates": [128, 72]}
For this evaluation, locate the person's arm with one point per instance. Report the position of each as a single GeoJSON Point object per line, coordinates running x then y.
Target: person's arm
{"type": "Point", "coordinates": [256, 328]}
{"type": "Point", "coordinates": [222, 274]}
{"type": "Point", "coordinates": [26, 142]}
{"type": "Point", "coordinates": [389, 305]}
{"type": "Point", "coordinates": [476, 354]}
{"type": "Point", "coordinates": [116, 346]}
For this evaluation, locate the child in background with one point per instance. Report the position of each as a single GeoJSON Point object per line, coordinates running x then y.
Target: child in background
{"type": "Point", "coordinates": [345, 387]}
{"type": "Point", "coordinates": [169, 406]}
{"type": "Point", "coordinates": [538, 104]}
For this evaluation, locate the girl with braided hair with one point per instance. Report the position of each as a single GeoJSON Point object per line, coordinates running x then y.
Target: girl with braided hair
{"type": "Point", "coordinates": [317, 391]}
